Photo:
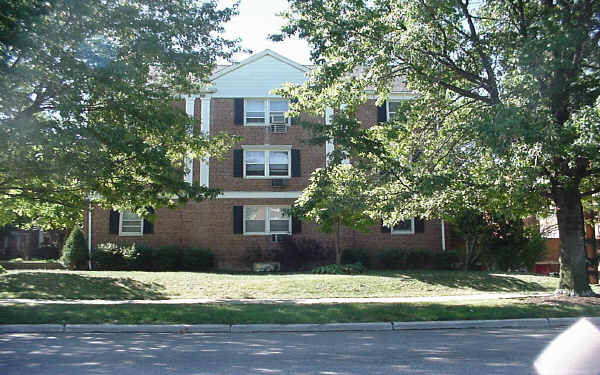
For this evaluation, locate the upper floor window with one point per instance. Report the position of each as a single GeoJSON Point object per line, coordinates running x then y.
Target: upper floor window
{"type": "Point", "coordinates": [404, 227]}
{"type": "Point", "coordinates": [265, 111]}
{"type": "Point", "coordinates": [267, 163]}
{"type": "Point", "coordinates": [131, 224]}
{"type": "Point", "coordinates": [392, 108]}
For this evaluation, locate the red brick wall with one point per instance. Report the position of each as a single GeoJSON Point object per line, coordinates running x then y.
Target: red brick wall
{"type": "Point", "coordinates": [221, 171]}
{"type": "Point", "coordinates": [210, 223]}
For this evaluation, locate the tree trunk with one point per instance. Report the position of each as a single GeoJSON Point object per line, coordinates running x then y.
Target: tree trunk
{"type": "Point", "coordinates": [573, 270]}
{"type": "Point", "coordinates": [338, 250]}
{"type": "Point", "coordinates": [467, 254]}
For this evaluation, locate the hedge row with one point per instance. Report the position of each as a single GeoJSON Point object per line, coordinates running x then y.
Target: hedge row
{"type": "Point", "coordinates": [110, 256]}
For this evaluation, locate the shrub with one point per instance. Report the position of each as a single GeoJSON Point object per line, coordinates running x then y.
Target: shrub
{"type": "Point", "coordinates": [418, 259]}
{"type": "Point", "coordinates": [352, 255]}
{"type": "Point", "coordinates": [110, 256]}
{"type": "Point", "coordinates": [142, 258]}
{"type": "Point", "coordinates": [393, 258]}
{"type": "Point", "coordinates": [511, 246]}
{"type": "Point", "coordinates": [75, 251]}
{"type": "Point", "coordinates": [197, 259]}
{"type": "Point", "coordinates": [296, 253]}
{"type": "Point", "coordinates": [2, 270]}
{"type": "Point", "coordinates": [340, 269]}
{"type": "Point", "coordinates": [446, 260]}
{"type": "Point", "coordinates": [166, 258]}
{"type": "Point", "coordinates": [45, 252]}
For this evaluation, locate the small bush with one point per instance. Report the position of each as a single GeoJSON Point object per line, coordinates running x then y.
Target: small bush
{"type": "Point", "coordinates": [446, 260]}
{"type": "Point", "coordinates": [75, 251]}
{"type": "Point", "coordinates": [197, 259]}
{"type": "Point", "coordinates": [340, 269]}
{"type": "Point", "coordinates": [352, 255]}
{"type": "Point", "coordinates": [166, 258]}
{"type": "Point", "coordinates": [393, 258]}
{"type": "Point", "coordinates": [142, 258]}
{"type": "Point", "coordinates": [110, 256]}
{"type": "Point", "coordinates": [296, 254]}
{"type": "Point", "coordinates": [418, 259]}
{"type": "Point", "coordinates": [45, 252]}
{"type": "Point", "coordinates": [2, 270]}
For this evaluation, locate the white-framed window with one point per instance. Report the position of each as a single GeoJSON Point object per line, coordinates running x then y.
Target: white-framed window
{"type": "Point", "coordinates": [392, 108]}
{"type": "Point", "coordinates": [130, 224]}
{"type": "Point", "coordinates": [266, 220]}
{"type": "Point", "coordinates": [404, 227]}
{"type": "Point", "coordinates": [269, 163]}
{"type": "Point", "coordinates": [260, 112]}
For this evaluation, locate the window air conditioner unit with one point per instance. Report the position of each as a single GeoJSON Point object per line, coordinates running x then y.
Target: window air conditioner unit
{"type": "Point", "coordinates": [279, 237]}
{"type": "Point", "coordinates": [279, 128]}
{"type": "Point", "coordinates": [279, 182]}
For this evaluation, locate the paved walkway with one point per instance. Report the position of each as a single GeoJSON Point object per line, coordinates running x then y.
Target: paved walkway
{"type": "Point", "coordinates": [293, 301]}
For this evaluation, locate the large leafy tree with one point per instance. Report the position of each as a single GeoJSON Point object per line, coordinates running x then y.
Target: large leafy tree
{"type": "Point", "coordinates": [87, 93]}
{"type": "Point", "coordinates": [506, 115]}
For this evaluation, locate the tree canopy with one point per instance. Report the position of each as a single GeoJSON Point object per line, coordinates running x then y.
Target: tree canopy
{"type": "Point", "coordinates": [87, 94]}
{"type": "Point", "coordinates": [505, 114]}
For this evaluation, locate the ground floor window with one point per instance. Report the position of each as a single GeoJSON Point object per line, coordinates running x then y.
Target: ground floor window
{"type": "Point", "coordinates": [404, 227]}
{"type": "Point", "coordinates": [266, 220]}
{"type": "Point", "coordinates": [131, 224]}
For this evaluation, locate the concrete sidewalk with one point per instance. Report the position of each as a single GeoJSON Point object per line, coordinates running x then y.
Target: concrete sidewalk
{"type": "Point", "coordinates": [291, 301]}
{"type": "Point", "coordinates": [263, 328]}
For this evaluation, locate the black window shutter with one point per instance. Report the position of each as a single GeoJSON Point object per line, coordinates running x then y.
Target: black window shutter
{"type": "Point", "coordinates": [113, 222]}
{"type": "Point", "coordinates": [296, 225]}
{"type": "Point", "coordinates": [419, 225]}
{"type": "Point", "coordinates": [238, 219]}
{"type": "Point", "coordinates": [148, 225]}
{"type": "Point", "coordinates": [382, 113]}
{"type": "Point", "coordinates": [295, 163]}
{"type": "Point", "coordinates": [238, 111]}
{"type": "Point", "coordinates": [238, 163]}
{"type": "Point", "coordinates": [385, 228]}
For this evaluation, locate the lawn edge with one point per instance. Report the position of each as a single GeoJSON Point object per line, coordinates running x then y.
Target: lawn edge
{"type": "Point", "coordinates": [292, 328]}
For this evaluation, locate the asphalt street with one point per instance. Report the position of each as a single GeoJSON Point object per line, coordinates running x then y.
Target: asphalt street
{"type": "Point", "coordinates": [459, 351]}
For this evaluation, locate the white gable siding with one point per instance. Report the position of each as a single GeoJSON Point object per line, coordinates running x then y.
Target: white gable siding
{"type": "Point", "coordinates": [256, 79]}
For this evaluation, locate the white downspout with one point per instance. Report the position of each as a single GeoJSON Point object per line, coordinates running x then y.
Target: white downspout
{"type": "Point", "coordinates": [443, 236]}
{"type": "Point", "coordinates": [90, 236]}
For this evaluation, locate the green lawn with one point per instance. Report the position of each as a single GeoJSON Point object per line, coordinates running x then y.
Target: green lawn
{"type": "Point", "coordinates": [283, 314]}
{"type": "Point", "coordinates": [168, 285]}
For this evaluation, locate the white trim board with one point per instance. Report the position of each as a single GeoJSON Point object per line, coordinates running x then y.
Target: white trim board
{"type": "Point", "coordinates": [259, 195]}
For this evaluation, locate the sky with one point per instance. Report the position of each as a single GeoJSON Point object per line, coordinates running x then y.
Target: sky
{"type": "Point", "coordinates": [256, 20]}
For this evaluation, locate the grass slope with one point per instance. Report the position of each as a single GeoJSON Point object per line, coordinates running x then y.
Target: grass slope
{"type": "Point", "coordinates": [167, 285]}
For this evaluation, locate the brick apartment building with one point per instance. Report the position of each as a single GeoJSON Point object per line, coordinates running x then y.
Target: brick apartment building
{"type": "Point", "coordinates": [263, 173]}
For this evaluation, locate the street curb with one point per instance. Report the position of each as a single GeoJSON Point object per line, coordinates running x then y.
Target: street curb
{"type": "Point", "coordinates": [331, 327]}
{"type": "Point", "coordinates": [282, 328]}
{"type": "Point", "coordinates": [147, 328]}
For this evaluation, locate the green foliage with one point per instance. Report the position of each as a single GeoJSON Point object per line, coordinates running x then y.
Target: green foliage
{"type": "Point", "coordinates": [352, 255]}
{"type": "Point", "coordinates": [110, 256]}
{"type": "Point", "coordinates": [197, 259]}
{"type": "Point", "coordinates": [86, 104]}
{"type": "Point", "coordinates": [510, 247]}
{"type": "Point", "coordinates": [2, 270]}
{"type": "Point", "coordinates": [45, 252]}
{"type": "Point", "coordinates": [340, 269]}
{"type": "Point", "coordinates": [75, 250]}
{"type": "Point", "coordinates": [416, 259]}
{"type": "Point", "coordinates": [506, 116]}
{"type": "Point", "coordinates": [446, 260]}
{"type": "Point", "coordinates": [393, 258]}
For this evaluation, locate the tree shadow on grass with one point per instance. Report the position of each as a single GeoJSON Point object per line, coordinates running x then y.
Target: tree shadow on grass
{"type": "Point", "coordinates": [476, 280]}
{"type": "Point", "coordinates": [40, 285]}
